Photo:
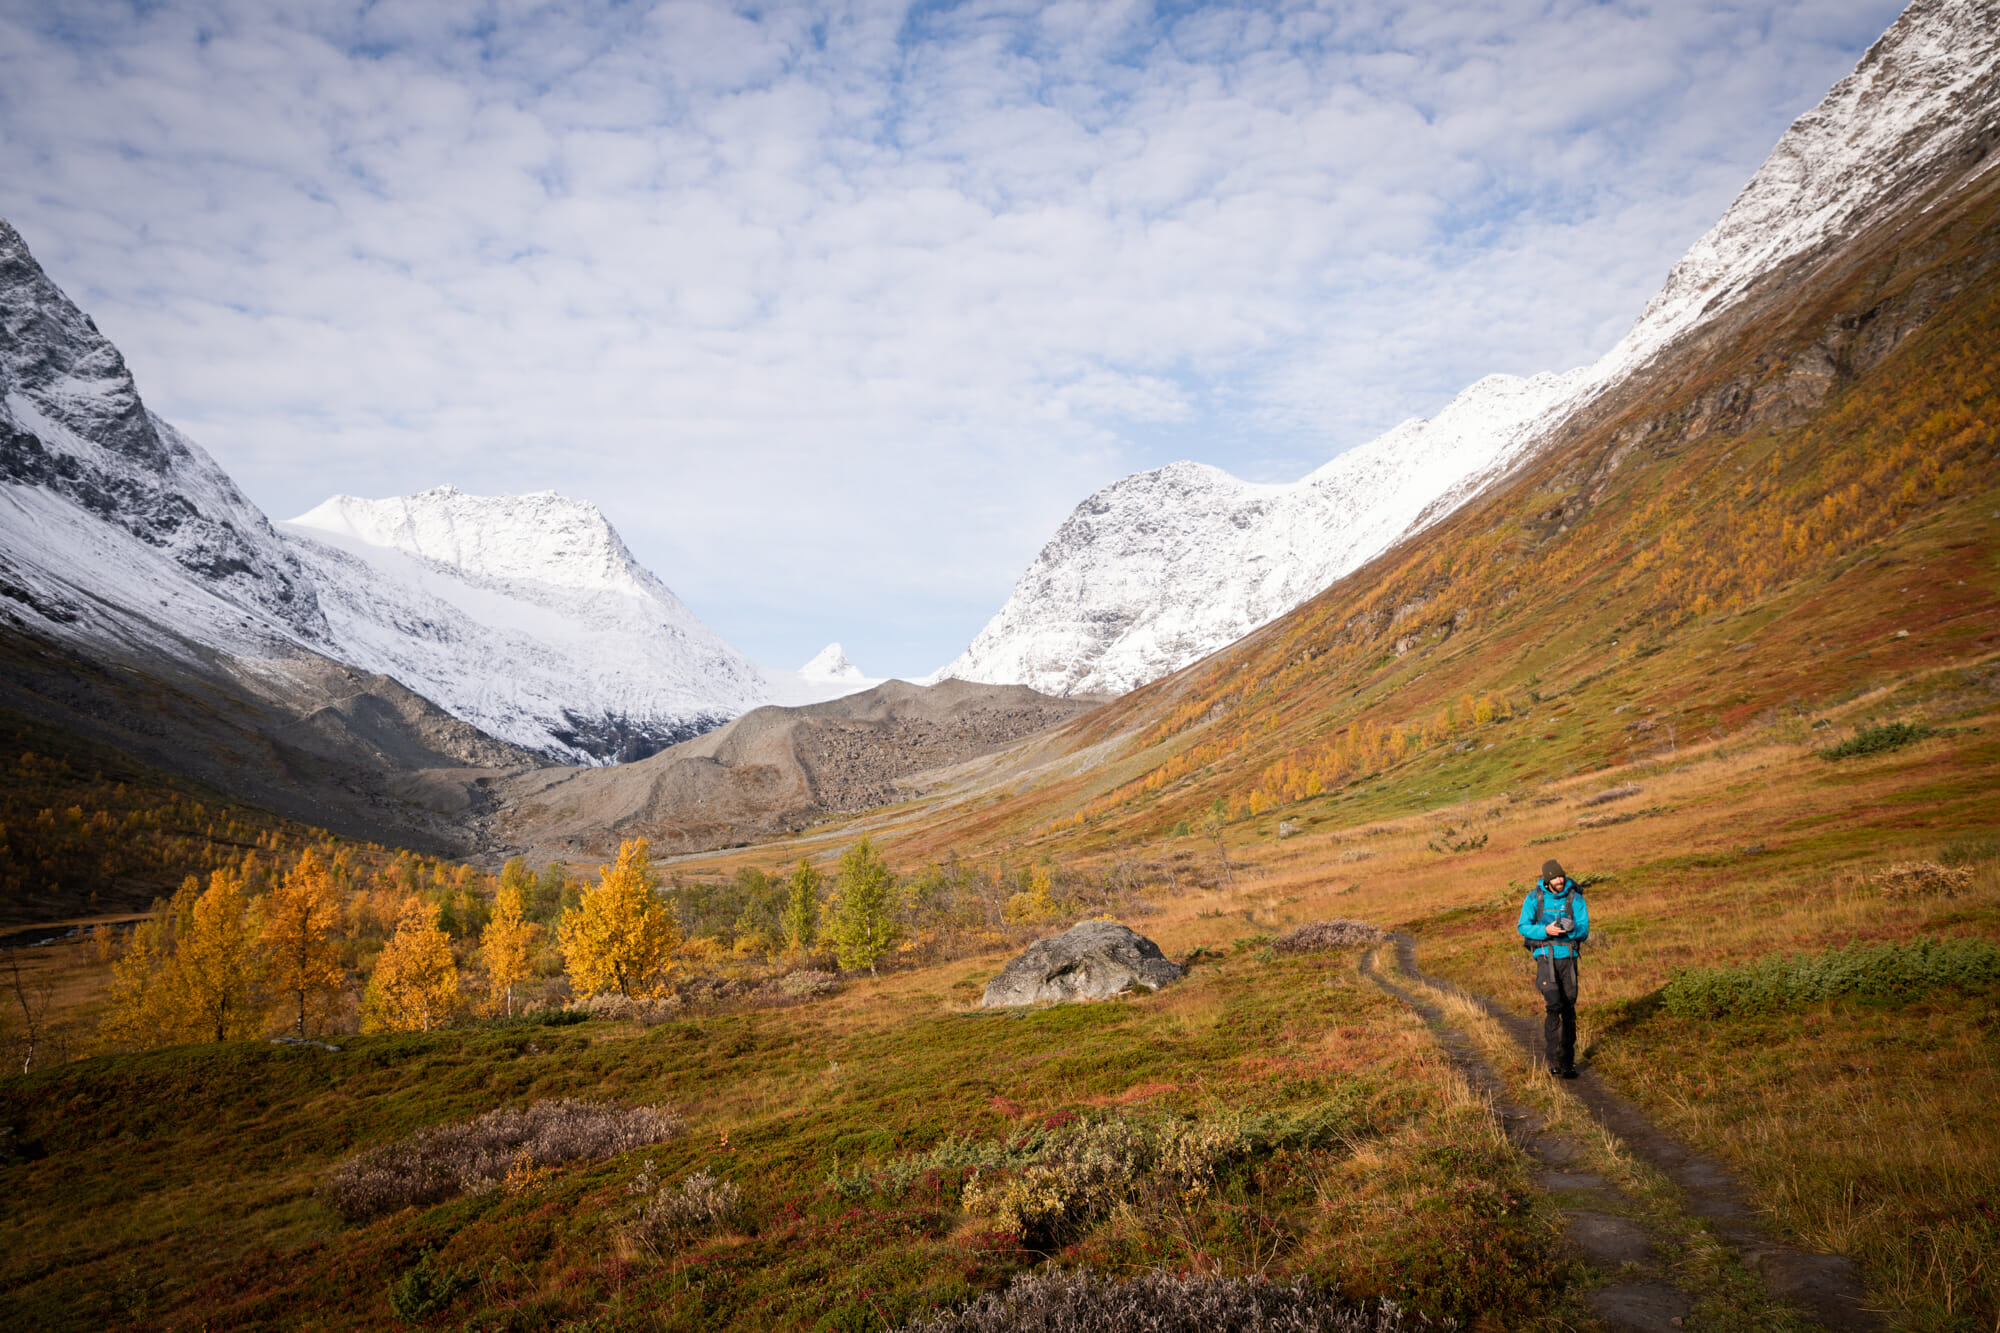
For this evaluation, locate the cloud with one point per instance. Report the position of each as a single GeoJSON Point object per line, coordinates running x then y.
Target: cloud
{"type": "Point", "coordinates": [838, 308]}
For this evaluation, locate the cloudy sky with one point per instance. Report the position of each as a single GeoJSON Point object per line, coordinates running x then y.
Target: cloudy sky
{"type": "Point", "coordinates": [837, 309]}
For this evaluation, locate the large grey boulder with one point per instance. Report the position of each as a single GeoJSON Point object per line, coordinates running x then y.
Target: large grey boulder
{"type": "Point", "coordinates": [1090, 961]}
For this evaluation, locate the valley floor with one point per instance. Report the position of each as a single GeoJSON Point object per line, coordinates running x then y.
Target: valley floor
{"type": "Point", "coordinates": [1277, 1114]}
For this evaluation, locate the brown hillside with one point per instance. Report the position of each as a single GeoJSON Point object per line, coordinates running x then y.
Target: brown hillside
{"type": "Point", "coordinates": [773, 771]}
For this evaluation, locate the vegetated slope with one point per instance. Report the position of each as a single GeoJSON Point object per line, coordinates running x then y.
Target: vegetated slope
{"type": "Point", "coordinates": [772, 771]}
{"type": "Point", "coordinates": [86, 830]}
{"type": "Point", "coordinates": [1162, 567]}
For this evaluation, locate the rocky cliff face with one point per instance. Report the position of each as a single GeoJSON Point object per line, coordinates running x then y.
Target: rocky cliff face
{"type": "Point", "coordinates": [1164, 567]}
{"type": "Point", "coordinates": [117, 528]}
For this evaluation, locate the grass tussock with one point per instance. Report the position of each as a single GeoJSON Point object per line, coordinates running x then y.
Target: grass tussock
{"type": "Point", "coordinates": [1882, 973]}
{"type": "Point", "coordinates": [1085, 1301]}
{"type": "Point", "coordinates": [446, 1161]}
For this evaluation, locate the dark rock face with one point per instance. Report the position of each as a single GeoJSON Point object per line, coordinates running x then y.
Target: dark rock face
{"type": "Point", "coordinates": [72, 424]}
{"type": "Point", "coordinates": [1092, 960]}
{"type": "Point", "coordinates": [623, 740]}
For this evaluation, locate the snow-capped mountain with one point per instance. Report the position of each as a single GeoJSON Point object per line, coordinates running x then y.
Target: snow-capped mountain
{"type": "Point", "coordinates": [1165, 566]}
{"type": "Point", "coordinates": [524, 615]}
{"type": "Point", "coordinates": [114, 527]}
{"type": "Point", "coordinates": [830, 664]}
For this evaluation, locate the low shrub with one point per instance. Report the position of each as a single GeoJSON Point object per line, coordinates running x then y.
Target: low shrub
{"type": "Point", "coordinates": [445, 1161]}
{"type": "Point", "coordinates": [624, 1008]}
{"type": "Point", "coordinates": [1880, 972]}
{"type": "Point", "coordinates": [1088, 1169]}
{"type": "Point", "coordinates": [1610, 794]}
{"type": "Point", "coordinates": [1314, 936]}
{"type": "Point", "coordinates": [805, 985]}
{"type": "Point", "coordinates": [1912, 879]}
{"type": "Point", "coordinates": [951, 1154]}
{"type": "Point", "coordinates": [699, 1203]}
{"type": "Point", "coordinates": [1970, 851]}
{"type": "Point", "coordinates": [1085, 1301]}
{"type": "Point", "coordinates": [424, 1288]}
{"type": "Point", "coordinates": [1873, 740]}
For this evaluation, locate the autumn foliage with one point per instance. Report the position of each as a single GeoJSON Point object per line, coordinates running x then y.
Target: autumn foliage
{"type": "Point", "coordinates": [621, 937]}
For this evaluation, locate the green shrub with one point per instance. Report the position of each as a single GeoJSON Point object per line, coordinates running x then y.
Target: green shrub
{"type": "Point", "coordinates": [951, 1154]}
{"type": "Point", "coordinates": [1085, 1301]}
{"type": "Point", "coordinates": [1870, 740]}
{"type": "Point", "coordinates": [1880, 972]}
{"type": "Point", "coordinates": [424, 1288]}
{"type": "Point", "coordinates": [1970, 851]}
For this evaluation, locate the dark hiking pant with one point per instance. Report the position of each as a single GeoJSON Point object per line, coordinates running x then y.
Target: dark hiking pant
{"type": "Point", "coordinates": [1556, 979]}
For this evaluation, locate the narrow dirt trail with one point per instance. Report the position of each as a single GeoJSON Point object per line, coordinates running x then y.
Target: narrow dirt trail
{"type": "Point", "coordinates": [1599, 1218]}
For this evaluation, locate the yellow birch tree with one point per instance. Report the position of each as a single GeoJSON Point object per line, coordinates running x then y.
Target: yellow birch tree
{"type": "Point", "coordinates": [415, 979]}
{"type": "Point", "coordinates": [216, 971]}
{"type": "Point", "coordinates": [506, 947]}
{"type": "Point", "coordinates": [137, 1015]}
{"type": "Point", "coordinates": [302, 926]}
{"type": "Point", "coordinates": [620, 937]}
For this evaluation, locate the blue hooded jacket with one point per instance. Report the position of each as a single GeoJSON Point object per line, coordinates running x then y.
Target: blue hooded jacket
{"type": "Point", "coordinates": [1543, 905]}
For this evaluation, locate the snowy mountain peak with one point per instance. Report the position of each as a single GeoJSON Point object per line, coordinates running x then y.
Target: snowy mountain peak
{"type": "Point", "coordinates": [541, 537]}
{"type": "Point", "coordinates": [1165, 566]}
{"type": "Point", "coordinates": [831, 664]}
{"type": "Point", "coordinates": [523, 614]}
{"type": "Point", "coordinates": [1925, 92]}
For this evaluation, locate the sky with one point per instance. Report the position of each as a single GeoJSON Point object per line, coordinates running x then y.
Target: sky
{"type": "Point", "coordinates": [837, 310]}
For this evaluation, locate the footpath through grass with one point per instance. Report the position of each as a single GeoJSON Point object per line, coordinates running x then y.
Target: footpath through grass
{"type": "Point", "coordinates": [1792, 965]}
{"type": "Point", "coordinates": [1266, 1116]}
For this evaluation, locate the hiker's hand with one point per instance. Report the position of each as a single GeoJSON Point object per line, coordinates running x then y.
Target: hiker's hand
{"type": "Point", "coordinates": [1555, 928]}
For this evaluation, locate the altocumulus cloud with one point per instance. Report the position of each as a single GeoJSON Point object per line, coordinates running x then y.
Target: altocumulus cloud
{"type": "Point", "coordinates": [836, 309]}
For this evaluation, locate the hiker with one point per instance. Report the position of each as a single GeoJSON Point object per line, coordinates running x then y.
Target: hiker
{"type": "Point", "coordinates": [1555, 921]}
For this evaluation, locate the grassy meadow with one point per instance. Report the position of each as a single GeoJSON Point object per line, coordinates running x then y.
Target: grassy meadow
{"type": "Point", "coordinates": [873, 1133]}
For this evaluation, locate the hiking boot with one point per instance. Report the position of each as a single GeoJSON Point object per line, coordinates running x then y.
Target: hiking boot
{"type": "Point", "coordinates": [1568, 1071]}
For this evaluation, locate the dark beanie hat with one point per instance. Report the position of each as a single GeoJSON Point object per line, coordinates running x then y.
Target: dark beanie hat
{"type": "Point", "coordinates": [1552, 869]}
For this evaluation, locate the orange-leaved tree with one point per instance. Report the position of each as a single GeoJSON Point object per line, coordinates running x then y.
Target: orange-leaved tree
{"type": "Point", "coordinates": [303, 921]}
{"type": "Point", "coordinates": [620, 936]}
{"type": "Point", "coordinates": [415, 981]}
{"type": "Point", "coordinates": [506, 946]}
{"type": "Point", "coordinates": [217, 969]}
{"type": "Point", "coordinates": [187, 973]}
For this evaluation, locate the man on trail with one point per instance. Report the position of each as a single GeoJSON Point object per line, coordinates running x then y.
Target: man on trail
{"type": "Point", "coordinates": [1555, 921]}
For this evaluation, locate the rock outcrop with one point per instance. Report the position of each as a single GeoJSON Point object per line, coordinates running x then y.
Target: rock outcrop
{"type": "Point", "coordinates": [1092, 960]}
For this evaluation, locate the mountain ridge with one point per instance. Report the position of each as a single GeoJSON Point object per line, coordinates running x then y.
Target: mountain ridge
{"type": "Point", "coordinates": [1110, 604]}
